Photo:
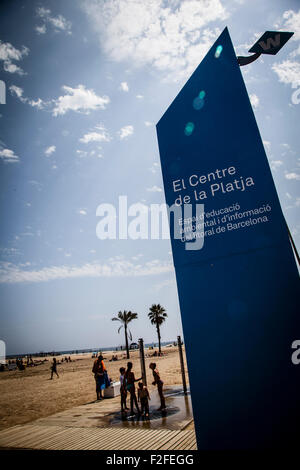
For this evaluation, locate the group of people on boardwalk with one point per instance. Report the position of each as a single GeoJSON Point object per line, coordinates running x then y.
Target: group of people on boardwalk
{"type": "Point", "coordinates": [127, 381]}
{"type": "Point", "coordinates": [127, 386]}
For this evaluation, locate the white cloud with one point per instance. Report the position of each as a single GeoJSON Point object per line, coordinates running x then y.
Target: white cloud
{"type": "Point", "coordinates": [292, 176]}
{"type": "Point", "coordinates": [154, 189]}
{"type": "Point", "coordinates": [125, 132]}
{"type": "Point", "coordinates": [41, 29]}
{"type": "Point", "coordinates": [9, 53]}
{"type": "Point", "coordinates": [139, 97]}
{"type": "Point", "coordinates": [18, 92]}
{"type": "Point", "coordinates": [50, 150]}
{"type": "Point", "coordinates": [136, 257]}
{"type": "Point", "coordinates": [98, 134]}
{"type": "Point", "coordinates": [11, 273]}
{"type": "Point", "coordinates": [267, 144]}
{"type": "Point", "coordinates": [154, 167]}
{"type": "Point", "coordinates": [11, 251]}
{"type": "Point", "coordinates": [13, 68]}
{"type": "Point", "coordinates": [82, 212]}
{"type": "Point", "coordinates": [148, 123]}
{"type": "Point", "coordinates": [275, 164]}
{"type": "Point", "coordinates": [124, 86]}
{"type": "Point", "coordinates": [82, 153]}
{"type": "Point", "coordinates": [92, 153]}
{"type": "Point", "coordinates": [40, 104]}
{"type": "Point", "coordinates": [58, 23]}
{"type": "Point", "coordinates": [163, 284]}
{"type": "Point", "coordinates": [170, 36]}
{"type": "Point", "coordinates": [291, 22]}
{"type": "Point", "coordinates": [80, 99]}
{"type": "Point", "coordinates": [254, 100]}
{"type": "Point", "coordinates": [8, 156]}
{"type": "Point", "coordinates": [295, 52]}
{"type": "Point", "coordinates": [288, 72]}
{"type": "Point", "coordinates": [294, 202]}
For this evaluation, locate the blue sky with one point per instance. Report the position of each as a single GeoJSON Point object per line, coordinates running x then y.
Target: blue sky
{"type": "Point", "coordinates": [86, 82]}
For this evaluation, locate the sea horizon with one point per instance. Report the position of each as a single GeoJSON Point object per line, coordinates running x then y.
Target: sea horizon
{"type": "Point", "coordinates": [83, 351]}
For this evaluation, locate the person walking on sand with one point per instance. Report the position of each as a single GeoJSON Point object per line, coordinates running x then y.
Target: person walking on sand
{"type": "Point", "coordinates": [130, 381]}
{"type": "Point", "coordinates": [143, 398]}
{"type": "Point", "coordinates": [123, 390]}
{"type": "Point", "coordinates": [99, 374]}
{"type": "Point", "coordinates": [159, 383]}
{"type": "Point", "coordinates": [54, 369]}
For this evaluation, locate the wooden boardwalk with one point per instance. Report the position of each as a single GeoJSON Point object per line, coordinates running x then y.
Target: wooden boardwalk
{"type": "Point", "coordinates": [37, 436]}
{"type": "Point", "coordinates": [97, 426]}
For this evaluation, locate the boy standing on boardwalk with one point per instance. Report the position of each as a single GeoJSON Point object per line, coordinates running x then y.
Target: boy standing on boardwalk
{"type": "Point", "coordinates": [143, 398]}
{"type": "Point", "coordinates": [159, 383]}
{"type": "Point", "coordinates": [130, 387]}
{"type": "Point", "coordinates": [123, 390]}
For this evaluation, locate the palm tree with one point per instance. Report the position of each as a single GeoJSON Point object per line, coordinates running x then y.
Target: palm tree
{"type": "Point", "coordinates": [157, 316]}
{"type": "Point", "coordinates": [125, 318]}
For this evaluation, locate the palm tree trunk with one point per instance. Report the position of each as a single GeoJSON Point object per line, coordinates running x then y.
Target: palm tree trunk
{"type": "Point", "coordinates": [158, 334]}
{"type": "Point", "coordinates": [126, 341]}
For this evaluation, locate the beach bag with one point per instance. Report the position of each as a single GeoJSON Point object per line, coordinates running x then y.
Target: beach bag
{"type": "Point", "coordinates": [106, 379]}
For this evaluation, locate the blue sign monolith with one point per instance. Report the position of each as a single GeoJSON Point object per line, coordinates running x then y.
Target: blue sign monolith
{"type": "Point", "coordinates": [238, 292]}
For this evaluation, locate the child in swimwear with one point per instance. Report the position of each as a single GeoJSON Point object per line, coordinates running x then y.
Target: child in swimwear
{"type": "Point", "coordinates": [130, 381]}
{"type": "Point", "coordinates": [159, 383]}
{"type": "Point", "coordinates": [123, 390]}
{"type": "Point", "coordinates": [143, 398]}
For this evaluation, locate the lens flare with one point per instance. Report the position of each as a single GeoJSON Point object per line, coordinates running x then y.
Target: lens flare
{"type": "Point", "coordinates": [218, 51]}
{"type": "Point", "coordinates": [202, 94]}
{"type": "Point", "coordinates": [198, 103]}
{"type": "Point", "coordinates": [189, 128]}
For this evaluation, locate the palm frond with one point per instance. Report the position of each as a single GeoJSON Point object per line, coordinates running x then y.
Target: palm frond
{"type": "Point", "coordinates": [125, 317]}
{"type": "Point", "coordinates": [157, 314]}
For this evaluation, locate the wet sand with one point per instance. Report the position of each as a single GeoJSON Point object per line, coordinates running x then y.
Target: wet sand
{"type": "Point", "coordinates": [28, 395]}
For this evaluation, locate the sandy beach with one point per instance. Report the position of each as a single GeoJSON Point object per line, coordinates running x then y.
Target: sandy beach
{"type": "Point", "coordinates": [28, 395]}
